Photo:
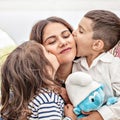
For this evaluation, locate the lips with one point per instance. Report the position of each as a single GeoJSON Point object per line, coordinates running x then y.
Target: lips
{"type": "Point", "coordinates": [65, 50]}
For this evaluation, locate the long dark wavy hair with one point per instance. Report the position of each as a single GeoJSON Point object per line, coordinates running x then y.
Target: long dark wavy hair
{"type": "Point", "coordinates": [37, 31]}
{"type": "Point", "coordinates": [24, 74]}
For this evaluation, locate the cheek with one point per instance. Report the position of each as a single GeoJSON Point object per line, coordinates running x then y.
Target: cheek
{"type": "Point", "coordinates": [51, 49]}
{"type": "Point", "coordinates": [55, 63]}
{"type": "Point", "coordinates": [78, 42]}
{"type": "Point", "coordinates": [81, 39]}
{"type": "Point", "coordinates": [54, 51]}
{"type": "Point", "coordinates": [73, 42]}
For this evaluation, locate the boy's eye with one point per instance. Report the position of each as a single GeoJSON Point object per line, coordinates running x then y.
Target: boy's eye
{"type": "Point", "coordinates": [80, 30]}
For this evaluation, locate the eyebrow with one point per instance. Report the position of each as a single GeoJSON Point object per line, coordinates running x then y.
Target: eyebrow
{"type": "Point", "coordinates": [52, 36]}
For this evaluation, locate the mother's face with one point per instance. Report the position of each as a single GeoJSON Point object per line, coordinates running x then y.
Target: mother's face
{"type": "Point", "coordinates": [58, 40]}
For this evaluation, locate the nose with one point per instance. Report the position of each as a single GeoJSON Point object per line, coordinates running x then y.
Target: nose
{"type": "Point", "coordinates": [74, 33]}
{"type": "Point", "coordinates": [62, 42]}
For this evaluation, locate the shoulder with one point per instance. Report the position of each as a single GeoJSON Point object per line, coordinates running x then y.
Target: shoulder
{"type": "Point", "coordinates": [45, 98]}
{"type": "Point", "coordinates": [47, 105]}
{"type": "Point", "coordinates": [108, 58]}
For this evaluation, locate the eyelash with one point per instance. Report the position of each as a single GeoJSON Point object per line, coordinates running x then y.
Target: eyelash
{"type": "Point", "coordinates": [80, 31]}
{"type": "Point", "coordinates": [52, 42]}
{"type": "Point", "coordinates": [64, 37]}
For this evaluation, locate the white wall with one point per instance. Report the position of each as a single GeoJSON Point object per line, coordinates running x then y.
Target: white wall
{"type": "Point", "coordinates": [18, 16]}
{"type": "Point", "coordinates": [59, 4]}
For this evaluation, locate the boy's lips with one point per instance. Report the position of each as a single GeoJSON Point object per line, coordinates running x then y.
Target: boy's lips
{"type": "Point", "coordinates": [65, 50]}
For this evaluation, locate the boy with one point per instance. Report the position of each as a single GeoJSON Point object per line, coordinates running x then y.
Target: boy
{"type": "Point", "coordinates": [97, 33]}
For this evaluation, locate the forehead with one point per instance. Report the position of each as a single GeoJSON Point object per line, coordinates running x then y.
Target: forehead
{"type": "Point", "coordinates": [52, 28]}
{"type": "Point", "coordinates": [86, 23]}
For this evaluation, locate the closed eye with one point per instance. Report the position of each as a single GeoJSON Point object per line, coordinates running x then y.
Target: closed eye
{"type": "Point", "coordinates": [80, 28]}
{"type": "Point", "coordinates": [51, 40]}
{"type": "Point", "coordinates": [66, 34]}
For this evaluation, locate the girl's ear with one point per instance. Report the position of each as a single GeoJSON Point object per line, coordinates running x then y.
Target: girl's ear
{"type": "Point", "coordinates": [98, 45]}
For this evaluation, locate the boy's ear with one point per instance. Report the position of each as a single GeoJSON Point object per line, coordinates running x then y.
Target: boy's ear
{"type": "Point", "coordinates": [98, 45]}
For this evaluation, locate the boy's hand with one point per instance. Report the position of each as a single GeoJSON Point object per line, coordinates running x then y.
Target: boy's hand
{"type": "Point", "coordinates": [92, 116]}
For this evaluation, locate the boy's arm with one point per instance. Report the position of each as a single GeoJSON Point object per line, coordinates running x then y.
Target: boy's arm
{"type": "Point", "coordinates": [112, 112]}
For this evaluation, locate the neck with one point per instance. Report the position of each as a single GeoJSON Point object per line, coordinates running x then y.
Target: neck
{"type": "Point", "coordinates": [63, 71]}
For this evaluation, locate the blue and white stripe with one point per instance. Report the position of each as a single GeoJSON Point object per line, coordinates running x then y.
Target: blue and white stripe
{"type": "Point", "coordinates": [47, 106]}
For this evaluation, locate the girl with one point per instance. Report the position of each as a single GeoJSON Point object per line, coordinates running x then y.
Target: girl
{"type": "Point", "coordinates": [28, 88]}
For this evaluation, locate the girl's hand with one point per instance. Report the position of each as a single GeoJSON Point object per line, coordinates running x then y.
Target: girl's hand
{"type": "Point", "coordinates": [68, 110]}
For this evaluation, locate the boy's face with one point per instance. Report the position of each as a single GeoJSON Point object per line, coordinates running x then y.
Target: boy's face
{"type": "Point", "coordinates": [83, 37]}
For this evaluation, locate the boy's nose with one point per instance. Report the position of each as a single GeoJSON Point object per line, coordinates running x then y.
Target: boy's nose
{"type": "Point", "coordinates": [74, 33]}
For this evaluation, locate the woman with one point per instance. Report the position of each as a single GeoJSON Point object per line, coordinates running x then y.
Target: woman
{"type": "Point", "coordinates": [56, 35]}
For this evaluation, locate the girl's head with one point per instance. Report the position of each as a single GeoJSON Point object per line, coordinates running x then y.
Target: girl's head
{"type": "Point", "coordinates": [56, 35]}
{"type": "Point", "coordinates": [27, 70]}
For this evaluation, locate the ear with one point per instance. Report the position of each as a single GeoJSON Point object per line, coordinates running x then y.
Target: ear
{"type": "Point", "coordinates": [98, 45]}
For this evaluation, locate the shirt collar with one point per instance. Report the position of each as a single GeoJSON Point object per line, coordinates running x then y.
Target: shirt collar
{"type": "Point", "coordinates": [104, 57]}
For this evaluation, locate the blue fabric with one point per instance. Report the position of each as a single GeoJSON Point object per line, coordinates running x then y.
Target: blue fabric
{"type": "Point", "coordinates": [1, 118]}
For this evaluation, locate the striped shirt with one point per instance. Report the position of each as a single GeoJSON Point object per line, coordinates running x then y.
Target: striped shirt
{"type": "Point", "coordinates": [47, 106]}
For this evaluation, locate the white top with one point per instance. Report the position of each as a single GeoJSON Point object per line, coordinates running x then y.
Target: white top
{"type": "Point", "coordinates": [105, 69]}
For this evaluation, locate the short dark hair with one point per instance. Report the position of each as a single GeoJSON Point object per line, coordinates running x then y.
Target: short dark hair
{"type": "Point", "coordinates": [106, 26]}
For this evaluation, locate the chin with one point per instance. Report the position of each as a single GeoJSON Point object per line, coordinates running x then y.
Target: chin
{"type": "Point", "coordinates": [67, 59]}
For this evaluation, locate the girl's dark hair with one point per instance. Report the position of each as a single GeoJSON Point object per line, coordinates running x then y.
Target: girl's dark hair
{"type": "Point", "coordinates": [106, 26]}
{"type": "Point", "coordinates": [24, 74]}
{"type": "Point", "coordinates": [37, 31]}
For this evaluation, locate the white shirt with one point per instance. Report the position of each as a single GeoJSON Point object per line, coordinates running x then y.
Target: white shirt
{"type": "Point", "coordinates": [105, 69]}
